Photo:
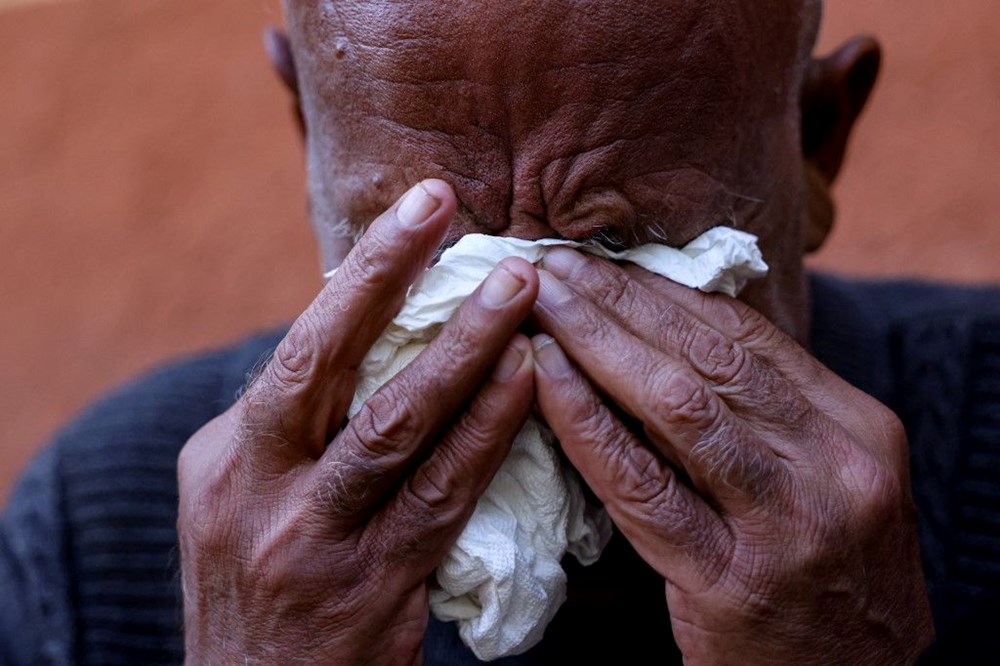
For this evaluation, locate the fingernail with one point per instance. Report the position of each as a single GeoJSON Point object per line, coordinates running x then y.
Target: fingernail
{"type": "Point", "coordinates": [509, 363]}
{"type": "Point", "coordinates": [562, 262]}
{"type": "Point", "coordinates": [500, 287]}
{"type": "Point", "coordinates": [550, 357]}
{"type": "Point", "coordinates": [417, 206]}
{"type": "Point", "coordinates": [551, 291]}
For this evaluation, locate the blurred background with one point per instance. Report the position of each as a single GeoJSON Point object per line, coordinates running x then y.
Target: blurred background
{"type": "Point", "coordinates": [152, 192]}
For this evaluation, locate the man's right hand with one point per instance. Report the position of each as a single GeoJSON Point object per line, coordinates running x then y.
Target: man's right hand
{"type": "Point", "coordinates": [302, 541]}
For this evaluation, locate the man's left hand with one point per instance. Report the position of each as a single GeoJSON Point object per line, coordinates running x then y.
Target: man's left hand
{"type": "Point", "coordinates": [772, 496]}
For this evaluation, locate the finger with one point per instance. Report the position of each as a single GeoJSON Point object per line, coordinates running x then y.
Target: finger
{"type": "Point", "coordinates": [765, 377]}
{"type": "Point", "coordinates": [682, 415]}
{"type": "Point", "coordinates": [663, 519]}
{"type": "Point", "coordinates": [385, 439]}
{"type": "Point", "coordinates": [752, 386]}
{"type": "Point", "coordinates": [638, 298]}
{"type": "Point", "coordinates": [304, 392]}
{"type": "Point", "coordinates": [823, 389]}
{"type": "Point", "coordinates": [636, 307]}
{"type": "Point", "coordinates": [421, 523]}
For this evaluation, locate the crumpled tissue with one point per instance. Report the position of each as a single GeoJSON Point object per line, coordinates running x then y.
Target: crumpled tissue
{"type": "Point", "coordinates": [503, 581]}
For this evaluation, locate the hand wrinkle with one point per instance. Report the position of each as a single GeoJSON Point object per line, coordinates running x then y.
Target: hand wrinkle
{"type": "Point", "coordinates": [503, 581]}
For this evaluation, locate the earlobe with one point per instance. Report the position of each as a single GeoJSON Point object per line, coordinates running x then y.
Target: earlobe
{"type": "Point", "coordinates": [279, 52]}
{"type": "Point", "coordinates": [834, 94]}
{"type": "Point", "coordinates": [821, 212]}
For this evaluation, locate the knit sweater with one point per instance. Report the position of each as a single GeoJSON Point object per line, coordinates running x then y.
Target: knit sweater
{"type": "Point", "coordinates": [88, 544]}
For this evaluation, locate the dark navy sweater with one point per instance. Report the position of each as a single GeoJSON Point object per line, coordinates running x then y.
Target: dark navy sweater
{"type": "Point", "coordinates": [88, 545]}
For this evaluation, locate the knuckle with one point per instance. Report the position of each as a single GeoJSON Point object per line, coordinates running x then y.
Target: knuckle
{"type": "Point", "coordinates": [429, 488]}
{"type": "Point", "coordinates": [585, 319]}
{"type": "Point", "coordinates": [879, 496]}
{"type": "Point", "coordinates": [880, 428]}
{"type": "Point", "coordinates": [892, 432]}
{"type": "Point", "coordinates": [872, 500]}
{"type": "Point", "coordinates": [386, 424]}
{"type": "Point", "coordinates": [433, 500]}
{"type": "Point", "coordinates": [875, 478]}
{"type": "Point", "coordinates": [886, 496]}
{"type": "Point", "coordinates": [188, 460]}
{"type": "Point", "coordinates": [427, 509]}
{"type": "Point", "coordinates": [719, 358]}
{"type": "Point", "coordinates": [680, 400]}
{"type": "Point", "coordinates": [207, 511]}
{"type": "Point", "coordinates": [415, 538]}
{"type": "Point", "coordinates": [749, 382]}
{"type": "Point", "coordinates": [295, 360]}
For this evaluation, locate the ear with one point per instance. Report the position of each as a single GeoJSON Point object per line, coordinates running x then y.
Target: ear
{"type": "Point", "coordinates": [279, 52]}
{"type": "Point", "coordinates": [834, 94]}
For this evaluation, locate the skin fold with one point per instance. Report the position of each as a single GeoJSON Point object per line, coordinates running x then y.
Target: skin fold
{"type": "Point", "coordinates": [771, 498]}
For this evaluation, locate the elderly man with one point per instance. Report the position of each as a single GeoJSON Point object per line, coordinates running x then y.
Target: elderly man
{"type": "Point", "coordinates": [762, 503]}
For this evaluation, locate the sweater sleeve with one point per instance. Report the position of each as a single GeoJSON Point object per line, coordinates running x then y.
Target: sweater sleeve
{"type": "Point", "coordinates": [952, 412]}
{"type": "Point", "coordinates": [932, 353]}
{"type": "Point", "coordinates": [36, 618]}
{"type": "Point", "coordinates": [89, 571]}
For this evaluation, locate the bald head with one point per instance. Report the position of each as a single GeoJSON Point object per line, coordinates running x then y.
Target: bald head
{"type": "Point", "coordinates": [570, 116]}
{"type": "Point", "coordinates": [628, 120]}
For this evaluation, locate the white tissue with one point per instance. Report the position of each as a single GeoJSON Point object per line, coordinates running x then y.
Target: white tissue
{"type": "Point", "coordinates": [503, 581]}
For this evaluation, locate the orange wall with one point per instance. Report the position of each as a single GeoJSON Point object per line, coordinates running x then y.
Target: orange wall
{"type": "Point", "coordinates": [151, 198]}
{"type": "Point", "coordinates": [922, 187]}
{"type": "Point", "coordinates": [151, 189]}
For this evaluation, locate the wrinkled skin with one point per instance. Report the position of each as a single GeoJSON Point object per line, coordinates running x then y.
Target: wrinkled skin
{"type": "Point", "coordinates": [771, 497]}
{"type": "Point", "coordinates": [634, 120]}
{"type": "Point", "coordinates": [297, 552]}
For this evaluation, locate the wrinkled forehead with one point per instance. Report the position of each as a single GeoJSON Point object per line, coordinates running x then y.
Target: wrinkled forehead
{"type": "Point", "coordinates": [517, 37]}
{"type": "Point", "coordinates": [509, 67]}
{"type": "Point", "coordinates": [578, 113]}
